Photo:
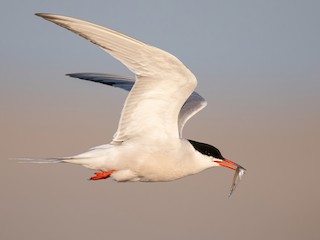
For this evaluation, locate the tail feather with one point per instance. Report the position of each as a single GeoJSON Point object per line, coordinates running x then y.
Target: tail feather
{"type": "Point", "coordinates": [43, 160]}
{"type": "Point", "coordinates": [92, 159]}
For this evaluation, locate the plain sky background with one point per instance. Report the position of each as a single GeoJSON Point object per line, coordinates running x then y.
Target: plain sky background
{"type": "Point", "coordinates": [258, 66]}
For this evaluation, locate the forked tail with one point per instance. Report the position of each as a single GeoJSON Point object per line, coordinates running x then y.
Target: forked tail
{"type": "Point", "coordinates": [43, 160]}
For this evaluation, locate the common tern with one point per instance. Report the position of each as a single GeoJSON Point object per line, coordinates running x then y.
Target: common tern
{"type": "Point", "coordinates": [148, 144]}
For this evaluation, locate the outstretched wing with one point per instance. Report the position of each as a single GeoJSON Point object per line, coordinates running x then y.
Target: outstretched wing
{"type": "Point", "coordinates": [162, 84]}
{"type": "Point", "coordinates": [193, 104]}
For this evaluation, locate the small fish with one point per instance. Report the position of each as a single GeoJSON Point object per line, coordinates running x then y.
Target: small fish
{"type": "Point", "coordinates": [240, 171]}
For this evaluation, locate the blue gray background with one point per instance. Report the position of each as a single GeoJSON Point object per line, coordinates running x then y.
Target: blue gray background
{"type": "Point", "coordinates": [258, 66]}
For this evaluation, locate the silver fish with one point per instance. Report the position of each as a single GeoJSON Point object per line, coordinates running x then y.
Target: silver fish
{"type": "Point", "coordinates": [240, 171]}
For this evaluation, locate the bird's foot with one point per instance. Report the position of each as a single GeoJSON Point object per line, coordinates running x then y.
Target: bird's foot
{"type": "Point", "coordinates": [102, 175]}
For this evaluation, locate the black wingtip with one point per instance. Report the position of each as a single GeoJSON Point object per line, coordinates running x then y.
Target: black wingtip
{"type": "Point", "coordinates": [74, 75]}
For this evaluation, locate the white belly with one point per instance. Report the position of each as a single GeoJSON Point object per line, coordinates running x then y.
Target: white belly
{"type": "Point", "coordinates": [135, 161]}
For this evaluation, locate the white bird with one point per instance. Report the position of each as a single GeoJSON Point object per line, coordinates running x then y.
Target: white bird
{"type": "Point", "coordinates": [148, 144]}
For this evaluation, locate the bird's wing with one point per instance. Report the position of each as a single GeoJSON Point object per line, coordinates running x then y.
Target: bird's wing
{"type": "Point", "coordinates": [162, 84]}
{"type": "Point", "coordinates": [193, 104]}
{"type": "Point", "coordinates": [125, 83]}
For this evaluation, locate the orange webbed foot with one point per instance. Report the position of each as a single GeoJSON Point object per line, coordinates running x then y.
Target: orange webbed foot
{"type": "Point", "coordinates": [102, 175]}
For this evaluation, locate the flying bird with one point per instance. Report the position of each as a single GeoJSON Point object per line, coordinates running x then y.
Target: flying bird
{"type": "Point", "coordinates": [148, 144]}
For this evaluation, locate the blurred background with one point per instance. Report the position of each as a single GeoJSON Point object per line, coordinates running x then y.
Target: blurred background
{"type": "Point", "coordinates": [258, 66]}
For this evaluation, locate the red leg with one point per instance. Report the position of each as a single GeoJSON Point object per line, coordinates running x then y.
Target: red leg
{"type": "Point", "coordinates": [102, 175]}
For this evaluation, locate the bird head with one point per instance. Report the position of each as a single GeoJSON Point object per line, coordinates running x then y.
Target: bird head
{"type": "Point", "coordinates": [216, 159]}
{"type": "Point", "coordinates": [215, 155]}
